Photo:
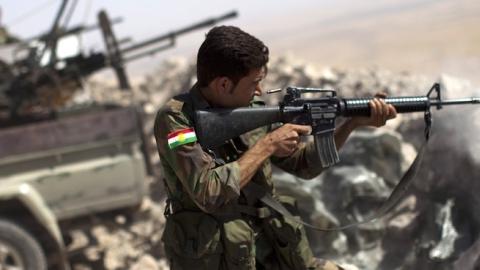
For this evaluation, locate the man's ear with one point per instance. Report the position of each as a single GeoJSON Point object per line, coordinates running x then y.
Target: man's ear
{"type": "Point", "coordinates": [223, 85]}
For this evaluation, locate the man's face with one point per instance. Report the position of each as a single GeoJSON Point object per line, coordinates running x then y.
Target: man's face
{"type": "Point", "coordinates": [243, 92]}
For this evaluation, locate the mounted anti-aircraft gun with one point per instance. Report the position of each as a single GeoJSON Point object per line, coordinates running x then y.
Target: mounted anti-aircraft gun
{"type": "Point", "coordinates": [214, 127]}
{"type": "Point", "coordinates": [54, 67]}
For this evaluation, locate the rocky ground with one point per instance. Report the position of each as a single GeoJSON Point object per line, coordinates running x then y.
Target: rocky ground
{"type": "Point", "coordinates": [435, 226]}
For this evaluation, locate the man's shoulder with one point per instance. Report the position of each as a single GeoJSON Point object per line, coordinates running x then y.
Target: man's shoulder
{"type": "Point", "coordinates": [173, 115]}
{"type": "Point", "coordinates": [178, 107]}
{"type": "Point", "coordinates": [177, 103]}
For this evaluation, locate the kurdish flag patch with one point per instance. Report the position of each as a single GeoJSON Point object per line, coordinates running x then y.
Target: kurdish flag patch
{"type": "Point", "coordinates": [181, 137]}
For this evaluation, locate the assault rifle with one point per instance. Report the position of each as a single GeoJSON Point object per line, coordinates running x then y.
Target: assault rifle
{"type": "Point", "coordinates": [320, 113]}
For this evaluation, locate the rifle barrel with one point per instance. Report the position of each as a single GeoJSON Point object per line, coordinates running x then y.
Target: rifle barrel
{"type": "Point", "coordinates": [458, 101]}
{"type": "Point", "coordinates": [173, 34]}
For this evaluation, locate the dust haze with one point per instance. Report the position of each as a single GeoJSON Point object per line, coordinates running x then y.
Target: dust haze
{"type": "Point", "coordinates": [425, 37]}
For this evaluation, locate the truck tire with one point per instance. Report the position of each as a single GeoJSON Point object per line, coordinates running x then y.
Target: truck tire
{"type": "Point", "coordinates": [19, 249]}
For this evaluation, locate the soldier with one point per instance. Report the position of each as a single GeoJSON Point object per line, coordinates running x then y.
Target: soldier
{"type": "Point", "coordinates": [214, 221]}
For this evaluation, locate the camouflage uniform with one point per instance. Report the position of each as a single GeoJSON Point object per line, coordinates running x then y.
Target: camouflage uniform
{"type": "Point", "coordinates": [211, 223]}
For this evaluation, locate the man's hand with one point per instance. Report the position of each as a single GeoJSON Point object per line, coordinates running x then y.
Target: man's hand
{"type": "Point", "coordinates": [284, 140]}
{"type": "Point", "coordinates": [281, 142]}
{"type": "Point", "coordinates": [380, 113]}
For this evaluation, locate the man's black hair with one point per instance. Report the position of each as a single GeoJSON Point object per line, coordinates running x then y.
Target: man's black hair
{"type": "Point", "coordinates": [229, 51]}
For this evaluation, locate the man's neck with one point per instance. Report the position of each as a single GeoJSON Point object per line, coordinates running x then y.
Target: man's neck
{"type": "Point", "coordinates": [208, 95]}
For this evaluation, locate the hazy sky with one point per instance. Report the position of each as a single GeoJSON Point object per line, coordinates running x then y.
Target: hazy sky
{"type": "Point", "coordinates": [423, 36]}
{"type": "Point", "coordinates": [146, 18]}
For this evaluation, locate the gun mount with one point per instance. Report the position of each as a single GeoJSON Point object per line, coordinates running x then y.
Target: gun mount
{"type": "Point", "coordinates": [50, 67]}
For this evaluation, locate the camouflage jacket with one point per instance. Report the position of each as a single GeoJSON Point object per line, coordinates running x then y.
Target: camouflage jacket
{"type": "Point", "coordinates": [208, 179]}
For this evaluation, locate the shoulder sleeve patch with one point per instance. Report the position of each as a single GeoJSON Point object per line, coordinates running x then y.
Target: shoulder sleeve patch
{"type": "Point", "coordinates": [180, 137]}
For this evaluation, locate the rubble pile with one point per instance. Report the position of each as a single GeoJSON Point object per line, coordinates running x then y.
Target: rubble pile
{"type": "Point", "coordinates": [433, 227]}
{"type": "Point", "coordinates": [120, 241]}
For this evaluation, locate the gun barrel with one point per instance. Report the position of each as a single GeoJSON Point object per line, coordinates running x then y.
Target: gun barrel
{"type": "Point", "coordinates": [72, 30]}
{"type": "Point", "coordinates": [459, 101]}
{"type": "Point", "coordinates": [173, 34]}
{"type": "Point", "coordinates": [96, 26]}
{"type": "Point", "coordinates": [148, 52]}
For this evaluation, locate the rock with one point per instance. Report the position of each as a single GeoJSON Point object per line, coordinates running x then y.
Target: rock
{"type": "Point", "coordinates": [381, 151]}
{"type": "Point", "coordinates": [348, 266]}
{"type": "Point", "coordinates": [146, 262]}
{"type": "Point", "coordinates": [403, 216]}
{"type": "Point", "coordinates": [163, 264]}
{"type": "Point", "coordinates": [149, 108]}
{"type": "Point", "coordinates": [470, 259]}
{"type": "Point", "coordinates": [352, 192]}
{"type": "Point", "coordinates": [444, 249]}
{"type": "Point", "coordinates": [328, 77]}
{"type": "Point", "coordinates": [402, 221]}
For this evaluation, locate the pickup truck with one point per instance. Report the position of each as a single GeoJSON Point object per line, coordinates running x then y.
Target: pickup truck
{"type": "Point", "coordinates": [75, 165]}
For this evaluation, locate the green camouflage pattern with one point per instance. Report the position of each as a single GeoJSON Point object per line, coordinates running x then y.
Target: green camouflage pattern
{"type": "Point", "coordinates": [208, 182]}
{"type": "Point", "coordinates": [192, 176]}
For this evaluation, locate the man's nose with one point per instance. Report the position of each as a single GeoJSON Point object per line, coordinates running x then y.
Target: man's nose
{"type": "Point", "coordinates": [258, 90]}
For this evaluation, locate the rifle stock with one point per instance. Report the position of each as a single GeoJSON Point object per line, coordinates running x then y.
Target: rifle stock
{"type": "Point", "coordinates": [214, 127]}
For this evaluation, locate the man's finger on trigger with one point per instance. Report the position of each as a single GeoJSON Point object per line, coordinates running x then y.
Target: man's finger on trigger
{"type": "Point", "coordinates": [294, 135]}
{"type": "Point", "coordinates": [307, 130]}
{"type": "Point", "coordinates": [304, 130]}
